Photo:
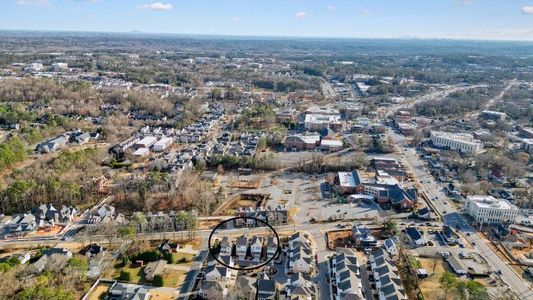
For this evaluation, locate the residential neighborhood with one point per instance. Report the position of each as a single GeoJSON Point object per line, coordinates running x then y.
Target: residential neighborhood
{"type": "Point", "coordinates": [155, 166]}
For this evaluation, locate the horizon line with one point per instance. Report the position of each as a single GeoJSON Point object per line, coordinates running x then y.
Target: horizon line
{"type": "Point", "coordinates": [218, 35]}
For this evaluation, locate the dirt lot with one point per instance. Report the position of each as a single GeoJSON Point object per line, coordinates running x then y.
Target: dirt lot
{"type": "Point", "coordinates": [339, 238]}
{"type": "Point", "coordinates": [245, 182]}
{"type": "Point", "coordinates": [430, 286]}
{"type": "Point", "coordinates": [98, 291]}
{"type": "Point", "coordinates": [240, 200]}
{"type": "Point", "coordinates": [207, 224]}
{"type": "Point", "coordinates": [245, 203]}
{"type": "Point", "coordinates": [160, 295]}
{"type": "Point", "coordinates": [43, 233]}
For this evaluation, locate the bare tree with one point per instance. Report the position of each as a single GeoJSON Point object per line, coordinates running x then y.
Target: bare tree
{"type": "Point", "coordinates": [109, 231]}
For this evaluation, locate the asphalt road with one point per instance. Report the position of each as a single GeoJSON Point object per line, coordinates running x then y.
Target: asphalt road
{"type": "Point", "coordinates": [454, 219]}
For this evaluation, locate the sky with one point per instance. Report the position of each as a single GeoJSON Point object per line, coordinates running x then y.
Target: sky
{"type": "Point", "coordinates": [456, 19]}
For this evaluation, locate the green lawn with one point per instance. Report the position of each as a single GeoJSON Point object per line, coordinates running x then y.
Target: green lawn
{"type": "Point", "coordinates": [178, 257]}
{"type": "Point", "coordinates": [137, 275]}
{"type": "Point", "coordinates": [173, 278]}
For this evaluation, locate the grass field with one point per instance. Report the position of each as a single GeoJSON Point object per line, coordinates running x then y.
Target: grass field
{"type": "Point", "coordinates": [173, 278]}
{"type": "Point", "coordinates": [137, 276]}
{"type": "Point", "coordinates": [183, 258]}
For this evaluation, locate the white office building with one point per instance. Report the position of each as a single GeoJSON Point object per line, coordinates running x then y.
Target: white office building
{"type": "Point", "coordinates": [463, 142]}
{"type": "Point", "coordinates": [487, 209]}
{"type": "Point", "coordinates": [316, 122]}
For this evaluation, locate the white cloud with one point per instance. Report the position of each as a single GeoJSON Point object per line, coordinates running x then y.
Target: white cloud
{"type": "Point", "coordinates": [33, 2]}
{"type": "Point", "coordinates": [157, 6]}
{"type": "Point", "coordinates": [527, 10]}
{"type": "Point", "coordinates": [331, 7]}
{"type": "Point", "coordinates": [235, 20]}
{"type": "Point", "coordinates": [300, 15]}
{"type": "Point", "coordinates": [365, 12]}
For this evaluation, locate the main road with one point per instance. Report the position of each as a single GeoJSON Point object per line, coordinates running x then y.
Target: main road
{"type": "Point", "coordinates": [452, 217]}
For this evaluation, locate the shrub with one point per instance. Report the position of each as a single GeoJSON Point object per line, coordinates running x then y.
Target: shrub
{"type": "Point", "coordinates": [158, 280]}
{"type": "Point", "coordinates": [168, 257]}
{"type": "Point", "coordinates": [147, 256]}
{"type": "Point", "coordinates": [125, 260]}
{"type": "Point", "coordinates": [125, 276]}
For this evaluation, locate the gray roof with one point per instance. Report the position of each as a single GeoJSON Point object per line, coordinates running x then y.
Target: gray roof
{"type": "Point", "coordinates": [256, 241]}
{"type": "Point", "coordinates": [266, 286]}
{"type": "Point", "coordinates": [272, 242]}
{"type": "Point", "coordinates": [128, 291]}
{"type": "Point", "coordinates": [456, 263]}
{"type": "Point", "coordinates": [225, 242]}
{"type": "Point", "coordinates": [413, 233]}
{"type": "Point", "coordinates": [242, 241]}
{"type": "Point", "coordinates": [155, 268]}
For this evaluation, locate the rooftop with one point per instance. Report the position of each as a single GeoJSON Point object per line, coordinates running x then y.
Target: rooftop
{"type": "Point", "coordinates": [317, 118]}
{"type": "Point", "coordinates": [465, 137]}
{"type": "Point", "coordinates": [346, 179]}
{"type": "Point", "coordinates": [491, 202]}
{"type": "Point", "coordinates": [322, 110]}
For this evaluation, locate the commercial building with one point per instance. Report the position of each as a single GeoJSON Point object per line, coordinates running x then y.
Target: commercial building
{"type": "Point", "coordinates": [315, 122]}
{"type": "Point", "coordinates": [331, 145]}
{"type": "Point", "coordinates": [407, 128]}
{"type": "Point", "coordinates": [487, 209]}
{"type": "Point", "coordinates": [60, 67]}
{"type": "Point", "coordinates": [286, 115]}
{"type": "Point", "coordinates": [527, 145]}
{"type": "Point", "coordinates": [347, 182]}
{"type": "Point", "coordinates": [320, 118]}
{"type": "Point", "coordinates": [162, 144]}
{"type": "Point", "coordinates": [323, 110]}
{"type": "Point", "coordinates": [141, 152]}
{"type": "Point", "coordinates": [463, 142]}
{"type": "Point", "coordinates": [299, 142]}
{"type": "Point", "coordinates": [526, 132]}
{"type": "Point", "coordinates": [146, 142]}
{"type": "Point", "coordinates": [493, 115]}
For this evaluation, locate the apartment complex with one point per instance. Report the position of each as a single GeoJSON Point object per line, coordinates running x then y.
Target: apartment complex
{"type": "Point", "coordinates": [462, 142]}
{"type": "Point", "coordinates": [487, 209]}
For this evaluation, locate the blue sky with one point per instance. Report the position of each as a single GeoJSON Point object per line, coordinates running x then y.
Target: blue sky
{"type": "Point", "coordinates": [475, 19]}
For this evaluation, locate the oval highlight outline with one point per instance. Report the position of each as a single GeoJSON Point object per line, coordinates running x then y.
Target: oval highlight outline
{"type": "Point", "coordinates": [278, 250]}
